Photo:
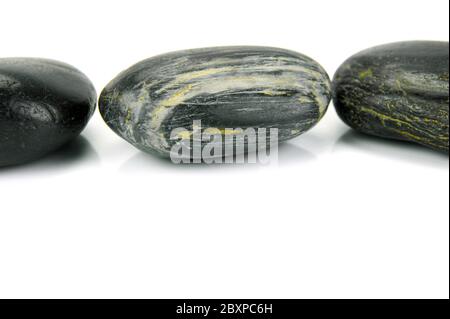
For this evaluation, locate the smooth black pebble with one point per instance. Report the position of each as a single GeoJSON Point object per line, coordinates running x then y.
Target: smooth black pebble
{"type": "Point", "coordinates": [44, 104]}
{"type": "Point", "coordinates": [397, 91]}
{"type": "Point", "coordinates": [225, 88]}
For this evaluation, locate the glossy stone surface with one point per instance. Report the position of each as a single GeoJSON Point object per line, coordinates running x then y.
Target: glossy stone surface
{"type": "Point", "coordinates": [398, 91]}
{"type": "Point", "coordinates": [43, 105]}
{"type": "Point", "coordinates": [225, 87]}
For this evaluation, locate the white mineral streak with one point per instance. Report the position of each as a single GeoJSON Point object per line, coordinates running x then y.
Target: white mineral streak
{"type": "Point", "coordinates": [8, 82]}
{"type": "Point", "coordinates": [421, 83]}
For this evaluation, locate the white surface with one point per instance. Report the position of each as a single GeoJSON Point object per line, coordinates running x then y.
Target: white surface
{"type": "Point", "coordinates": [341, 216]}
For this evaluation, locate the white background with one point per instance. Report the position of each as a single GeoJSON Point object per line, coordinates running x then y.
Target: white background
{"type": "Point", "coordinates": [340, 216]}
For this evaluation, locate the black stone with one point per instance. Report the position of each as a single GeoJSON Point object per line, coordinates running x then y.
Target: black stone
{"type": "Point", "coordinates": [398, 91]}
{"type": "Point", "coordinates": [43, 105]}
{"type": "Point", "coordinates": [225, 87]}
